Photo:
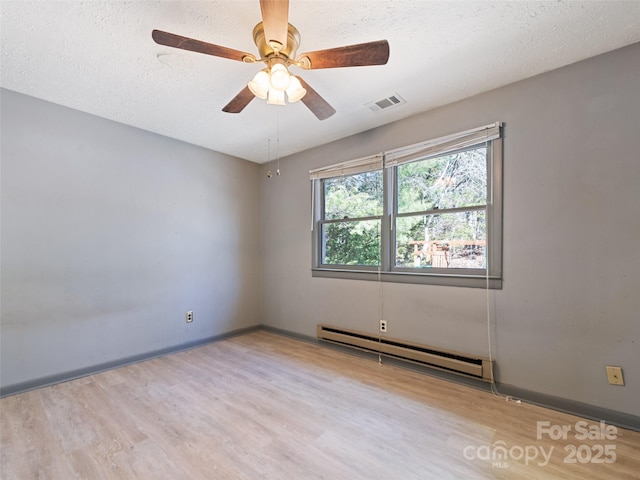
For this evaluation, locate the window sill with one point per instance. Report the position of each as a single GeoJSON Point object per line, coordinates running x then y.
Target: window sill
{"type": "Point", "coordinates": [468, 281]}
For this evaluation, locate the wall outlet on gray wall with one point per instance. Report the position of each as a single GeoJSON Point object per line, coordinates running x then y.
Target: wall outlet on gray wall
{"type": "Point", "coordinates": [383, 326]}
{"type": "Point", "coordinates": [189, 317]}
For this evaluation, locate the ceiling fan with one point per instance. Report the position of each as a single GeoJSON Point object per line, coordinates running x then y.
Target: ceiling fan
{"type": "Point", "coordinates": [277, 41]}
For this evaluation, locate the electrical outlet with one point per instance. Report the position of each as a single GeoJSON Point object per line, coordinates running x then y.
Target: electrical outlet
{"type": "Point", "coordinates": [383, 326]}
{"type": "Point", "coordinates": [614, 375]}
{"type": "Point", "coordinates": [189, 317]}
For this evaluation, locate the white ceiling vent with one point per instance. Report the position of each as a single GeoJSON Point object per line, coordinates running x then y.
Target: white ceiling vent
{"type": "Point", "coordinates": [386, 103]}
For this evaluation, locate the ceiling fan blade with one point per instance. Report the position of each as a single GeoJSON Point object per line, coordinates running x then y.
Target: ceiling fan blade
{"type": "Point", "coordinates": [186, 43]}
{"type": "Point", "coordinates": [362, 54]}
{"type": "Point", "coordinates": [275, 19]}
{"type": "Point", "coordinates": [316, 103]}
{"type": "Point", "coordinates": [237, 104]}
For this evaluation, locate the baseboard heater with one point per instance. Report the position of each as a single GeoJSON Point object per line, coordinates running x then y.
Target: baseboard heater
{"type": "Point", "coordinates": [454, 362]}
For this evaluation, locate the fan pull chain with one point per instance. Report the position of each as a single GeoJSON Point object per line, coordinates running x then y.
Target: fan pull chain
{"type": "Point", "coordinates": [269, 157]}
{"type": "Point", "coordinates": [278, 142]}
{"type": "Point", "coordinates": [269, 146]}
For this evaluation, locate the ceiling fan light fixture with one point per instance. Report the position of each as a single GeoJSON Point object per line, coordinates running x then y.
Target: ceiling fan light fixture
{"type": "Point", "coordinates": [295, 91]}
{"type": "Point", "coordinates": [276, 97]}
{"type": "Point", "coordinates": [259, 86]}
{"type": "Point", "coordinates": [280, 77]}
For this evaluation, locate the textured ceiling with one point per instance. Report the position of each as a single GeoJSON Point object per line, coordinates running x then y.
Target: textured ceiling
{"type": "Point", "coordinates": [98, 57]}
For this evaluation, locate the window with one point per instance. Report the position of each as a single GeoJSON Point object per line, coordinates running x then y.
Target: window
{"type": "Point", "coordinates": [352, 219]}
{"type": "Point", "coordinates": [428, 213]}
{"type": "Point", "coordinates": [440, 219]}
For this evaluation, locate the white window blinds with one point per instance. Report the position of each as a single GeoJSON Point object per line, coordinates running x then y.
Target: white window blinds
{"type": "Point", "coordinates": [442, 145]}
{"type": "Point", "coordinates": [351, 167]}
{"type": "Point", "coordinates": [411, 153]}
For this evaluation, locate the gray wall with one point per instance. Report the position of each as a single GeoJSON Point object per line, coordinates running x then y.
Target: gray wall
{"type": "Point", "coordinates": [571, 298]}
{"type": "Point", "coordinates": [110, 234]}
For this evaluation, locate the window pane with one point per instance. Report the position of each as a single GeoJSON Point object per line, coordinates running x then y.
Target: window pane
{"type": "Point", "coordinates": [451, 240]}
{"type": "Point", "coordinates": [450, 181]}
{"type": "Point", "coordinates": [353, 196]}
{"type": "Point", "coordinates": [351, 243]}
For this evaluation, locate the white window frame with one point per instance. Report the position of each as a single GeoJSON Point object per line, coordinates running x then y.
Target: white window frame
{"type": "Point", "coordinates": [491, 135]}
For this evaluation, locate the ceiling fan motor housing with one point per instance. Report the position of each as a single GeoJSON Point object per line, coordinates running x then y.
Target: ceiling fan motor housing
{"type": "Point", "coordinates": [266, 50]}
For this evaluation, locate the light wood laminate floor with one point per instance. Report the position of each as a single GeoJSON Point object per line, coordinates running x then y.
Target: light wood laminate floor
{"type": "Point", "coordinates": [264, 406]}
